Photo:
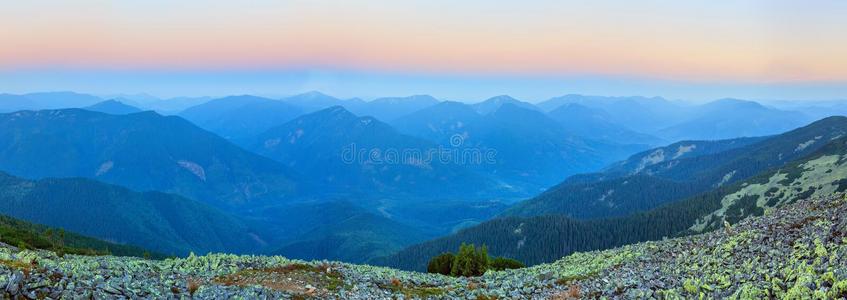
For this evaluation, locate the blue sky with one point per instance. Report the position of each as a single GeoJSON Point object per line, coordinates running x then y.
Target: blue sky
{"type": "Point", "coordinates": [533, 49]}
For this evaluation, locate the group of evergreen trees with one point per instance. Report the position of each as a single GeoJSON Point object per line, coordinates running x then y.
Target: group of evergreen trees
{"type": "Point", "coordinates": [27, 235]}
{"type": "Point", "coordinates": [470, 261]}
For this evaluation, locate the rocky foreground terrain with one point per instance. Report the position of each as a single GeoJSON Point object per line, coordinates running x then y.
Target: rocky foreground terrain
{"type": "Point", "coordinates": [798, 251]}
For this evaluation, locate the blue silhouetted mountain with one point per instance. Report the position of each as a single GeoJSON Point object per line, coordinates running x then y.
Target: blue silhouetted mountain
{"type": "Point", "coordinates": [537, 151]}
{"type": "Point", "coordinates": [594, 123]}
{"type": "Point", "coordinates": [10, 103]}
{"type": "Point", "coordinates": [816, 109]}
{"type": "Point", "coordinates": [45, 100]}
{"type": "Point", "coordinates": [532, 150]}
{"type": "Point", "coordinates": [492, 104]}
{"type": "Point", "coordinates": [438, 122]}
{"type": "Point", "coordinates": [729, 118]}
{"type": "Point", "coordinates": [390, 108]}
{"type": "Point", "coordinates": [142, 151]}
{"type": "Point", "coordinates": [640, 114]}
{"type": "Point", "coordinates": [241, 118]}
{"type": "Point", "coordinates": [113, 107]}
{"type": "Point", "coordinates": [53, 100]}
{"type": "Point", "coordinates": [366, 155]}
{"type": "Point", "coordinates": [314, 101]}
{"type": "Point", "coordinates": [173, 106]}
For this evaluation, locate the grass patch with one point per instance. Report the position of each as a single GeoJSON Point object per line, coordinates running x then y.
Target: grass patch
{"type": "Point", "coordinates": [16, 265]}
{"type": "Point", "coordinates": [413, 291]}
{"type": "Point", "coordinates": [296, 279]}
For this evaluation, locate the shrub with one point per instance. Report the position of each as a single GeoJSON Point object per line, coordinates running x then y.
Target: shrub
{"type": "Point", "coordinates": [470, 261]}
{"type": "Point", "coordinates": [503, 263]}
{"type": "Point", "coordinates": [441, 264]}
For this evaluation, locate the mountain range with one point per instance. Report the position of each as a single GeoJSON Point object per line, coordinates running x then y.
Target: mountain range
{"type": "Point", "coordinates": [113, 107]}
{"type": "Point", "coordinates": [142, 151]}
{"type": "Point", "coordinates": [804, 162]}
{"type": "Point", "coordinates": [530, 150]}
{"type": "Point", "coordinates": [363, 154]}
{"type": "Point", "coordinates": [313, 176]}
{"type": "Point", "coordinates": [241, 118]}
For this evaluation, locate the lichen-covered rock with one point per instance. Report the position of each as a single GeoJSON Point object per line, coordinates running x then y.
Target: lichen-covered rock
{"type": "Point", "coordinates": [799, 250]}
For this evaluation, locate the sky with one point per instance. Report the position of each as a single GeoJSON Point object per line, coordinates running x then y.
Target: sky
{"type": "Point", "coordinates": [460, 50]}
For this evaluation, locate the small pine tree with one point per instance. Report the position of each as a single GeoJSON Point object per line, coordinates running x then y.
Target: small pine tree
{"type": "Point", "coordinates": [470, 261]}
{"type": "Point", "coordinates": [441, 264]}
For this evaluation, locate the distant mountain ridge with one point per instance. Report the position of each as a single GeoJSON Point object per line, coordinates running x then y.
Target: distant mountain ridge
{"type": "Point", "coordinates": [533, 150]}
{"type": "Point", "coordinates": [241, 118]}
{"type": "Point", "coordinates": [390, 108]}
{"type": "Point", "coordinates": [597, 124]}
{"type": "Point", "coordinates": [730, 118]}
{"type": "Point", "coordinates": [142, 151]}
{"type": "Point", "coordinates": [341, 149]}
{"type": "Point", "coordinates": [493, 104]}
{"type": "Point", "coordinates": [113, 107]}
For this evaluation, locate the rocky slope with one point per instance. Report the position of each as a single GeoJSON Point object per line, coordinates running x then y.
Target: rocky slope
{"type": "Point", "coordinates": [797, 251]}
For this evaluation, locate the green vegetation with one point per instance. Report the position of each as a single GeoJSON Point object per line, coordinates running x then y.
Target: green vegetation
{"type": "Point", "coordinates": [412, 291]}
{"type": "Point", "coordinates": [26, 235]}
{"type": "Point", "coordinates": [441, 264]}
{"type": "Point", "coordinates": [504, 263]}
{"type": "Point", "coordinates": [470, 261]}
{"type": "Point", "coordinates": [164, 223]}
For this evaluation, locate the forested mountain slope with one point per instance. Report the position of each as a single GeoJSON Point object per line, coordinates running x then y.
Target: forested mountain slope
{"type": "Point", "coordinates": [597, 124]}
{"type": "Point", "coordinates": [545, 238]}
{"type": "Point", "coordinates": [23, 234]}
{"type": "Point", "coordinates": [672, 173]}
{"type": "Point", "coordinates": [157, 221]}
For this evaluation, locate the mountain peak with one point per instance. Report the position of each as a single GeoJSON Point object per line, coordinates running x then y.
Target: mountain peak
{"type": "Point", "coordinates": [514, 111]}
{"type": "Point", "coordinates": [427, 99]}
{"type": "Point", "coordinates": [113, 107]}
{"type": "Point", "coordinates": [313, 95]}
{"type": "Point", "coordinates": [494, 103]}
{"type": "Point", "coordinates": [336, 112]}
{"type": "Point", "coordinates": [502, 99]}
{"type": "Point", "coordinates": [733, 102]}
